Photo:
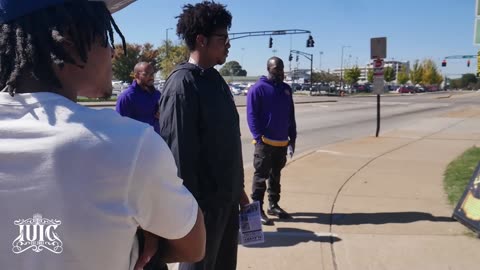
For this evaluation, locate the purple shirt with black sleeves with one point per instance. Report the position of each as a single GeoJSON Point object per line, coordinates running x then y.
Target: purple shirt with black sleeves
{"type": "Point", "coordinates": [138, 104]}
{"type": "Point", "coordinates": [270, 111]}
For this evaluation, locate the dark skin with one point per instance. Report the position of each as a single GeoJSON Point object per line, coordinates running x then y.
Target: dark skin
{"type": "Point", "coordinates": [276, 74]}
{"type": "Point", "coordinates": [275, 69]}
{"type": "Point", "coordinates": [211, 51]}
{"type": "Point", "coordinates": [144, 75]}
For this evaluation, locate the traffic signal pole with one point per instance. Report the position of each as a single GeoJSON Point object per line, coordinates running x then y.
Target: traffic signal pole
{"type": "Point", "coordinates": [238, 35]}
{"type": "Point", "coordinates": [309, 56]}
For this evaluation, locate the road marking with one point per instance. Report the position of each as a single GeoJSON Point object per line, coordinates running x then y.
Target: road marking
{"type": "Point", "coordinates": [330, 152]}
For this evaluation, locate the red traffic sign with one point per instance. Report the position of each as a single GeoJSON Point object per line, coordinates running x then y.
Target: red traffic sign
{"type": "Point", "coordinates": [378, 63]}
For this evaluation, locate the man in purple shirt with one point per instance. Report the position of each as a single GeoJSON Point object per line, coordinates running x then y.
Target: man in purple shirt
{"type": "Point", "coordinates": [271, 119]}
{"type": "Point", "coordinates": [140, 100]}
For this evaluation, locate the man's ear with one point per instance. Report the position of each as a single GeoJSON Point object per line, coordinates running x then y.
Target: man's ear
{"type": "Point", "coordinates": [201, 40]}
{"type": "Point", "coordinates": [64, 39]}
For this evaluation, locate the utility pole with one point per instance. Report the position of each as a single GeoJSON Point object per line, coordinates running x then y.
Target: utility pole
{"type": "Point", "coordinates": [243, 51]}
{"type": "Point", "coordinates": [341, 67]}
{"type": "Point", "coordinates": [309, 56]}
{"type": "Point", "coordinates": [270, 33]}
{"type": "Point", "coordinates": [320, 61]}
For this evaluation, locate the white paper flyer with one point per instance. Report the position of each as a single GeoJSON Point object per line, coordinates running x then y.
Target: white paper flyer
{"type": "Point", "coordinates": [251, 225]}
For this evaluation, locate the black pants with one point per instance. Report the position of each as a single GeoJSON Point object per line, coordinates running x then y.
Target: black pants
{"type": "Point", "coordinates": [268, 162]}
{"type": "Point", "coordinates": [222, 240]}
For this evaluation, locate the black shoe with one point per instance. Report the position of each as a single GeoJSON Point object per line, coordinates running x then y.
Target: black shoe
{"type": "Point", "coordinates": [276, 210]}
{"type": "Point", "coordinates": [265, 219]}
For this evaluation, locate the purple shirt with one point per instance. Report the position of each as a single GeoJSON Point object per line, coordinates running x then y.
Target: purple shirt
{"type": "Point", "coordinates": [138, 104]}
{"type": "Point", "coordinates": [270, 111]}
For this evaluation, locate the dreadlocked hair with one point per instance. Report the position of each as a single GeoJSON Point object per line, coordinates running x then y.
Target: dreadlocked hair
{"type": "Point", "coordinates": [202, 19]}
{"type": "Point", "coordinates": [32, 44]}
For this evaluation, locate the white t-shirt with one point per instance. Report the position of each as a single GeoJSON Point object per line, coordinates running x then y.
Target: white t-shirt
{"type": "Point", "coordinates": [90, 177]}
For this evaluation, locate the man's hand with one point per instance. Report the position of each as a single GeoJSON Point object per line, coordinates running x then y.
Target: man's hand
{"type": "Point", "coordinates": [149, 249]}
{"type": "Point", "coordinates": [291, 149]}
{"type": "Point", "coordinates": [244, 199]}
{"type": "Point", "coordinates": [157, 115]}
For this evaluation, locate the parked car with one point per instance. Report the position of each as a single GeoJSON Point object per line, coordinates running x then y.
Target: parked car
{"type": "Point", "coordinates": [296, 87]}
{"type": "Point", "coordinates": [306, 87]}
{"type": "Point", "coordinates": [406, 90]}
{"type": "Point", "coordinates": [362, 88]}
{"type": "Point", "coordinates": [320, 89]}
{"type": "Point", "coordinates": [235, 89]}
{"type": "Point", "coordinates": [432, 88]}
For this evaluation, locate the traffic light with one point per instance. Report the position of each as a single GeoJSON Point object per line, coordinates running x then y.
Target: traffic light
{"type": "Point", "coordinates": [270, 42]}
{"type": "Point", "coordinates": [444, 63]}
{"type": "Point", "coordinates": [310, 42]}
{"type": "Point", "coordinates": [290, 58]}
{"type": "Point", "coordinates": [468, 63]}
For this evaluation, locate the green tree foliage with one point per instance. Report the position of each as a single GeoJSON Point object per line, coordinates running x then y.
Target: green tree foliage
{"type": "Point", "coordinates": [456, 83]}
{"type": "Point", "coordinates": [370, 75]}
{"type": "Point", "coordinates": [389, 74]}
{"type": "Point", "coordinates": [176, 55]}
{"type": "Point", "coordinates": [232, 68]}
{"type": "Point", "coordinates": [402, 77]}
{"type": "Point", "coordinates": [149, 54]}
{"type": "Point", "coordinates": [122, 65]}
{"type": "Point", "coordinates": [430, 75]}
{"type": "Point", "coordinates": [352, 75]}
{"type": "Point", "coordinates": [324, 77]}
{"type": "Point", "coordinates": [416, 75]}
{"type": "Point", "coordinates": [468, 79]}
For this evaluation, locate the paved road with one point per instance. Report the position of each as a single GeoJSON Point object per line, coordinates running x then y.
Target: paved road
{"type": "Point", "coordinates": [320, 124]}
{"type": "Point", "coordinates": [326, 120]}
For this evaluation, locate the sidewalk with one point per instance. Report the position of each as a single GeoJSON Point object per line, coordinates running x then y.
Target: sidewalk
{"type": "Point", "coordinates": [373, 203]}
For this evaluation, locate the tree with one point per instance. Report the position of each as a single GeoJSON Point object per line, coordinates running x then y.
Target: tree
{"type": "Point", "coordinates": [317, 77]}
{"type": "Point", "coordinates": [149, 55]}
{"type": "Point", "coordinates": [431, 76]}
{"type": "Point", "coordinates": [402, 77]}
{"type": "Point", "coordinates": [232, 68]}
{"type": "Point", "coordinates": [416, 74]}
{"type": "Point", "coordinates": [352, 75]}
{"type": "Point", "coordinates": [176, 55]}
{"type": "Point", "coordinates": [389, 74]}
{"type": "Point", "coordinates": [468, 78]}
{"type": "Point", "coordinates": [370, 75]}
{"type": "Point", "coordinates": [324, 77]}
{"type": "Point", "coordinates": [123, 65]}
{"type": "Point", "coordinates": [456, 83]}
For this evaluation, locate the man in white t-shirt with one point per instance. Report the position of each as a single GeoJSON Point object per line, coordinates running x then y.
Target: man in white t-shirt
{"type": "Point", "coordinates": [76, 183]}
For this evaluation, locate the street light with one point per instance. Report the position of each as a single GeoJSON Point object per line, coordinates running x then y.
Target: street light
{"type": "Point", "coordinates": [243, 51]}
{"type": "Point", "coordinates": [166, 40]}
{"type": "Point", "coordinates": [320, 62]}
{"type": "Point", "coordinates": [341, 66]}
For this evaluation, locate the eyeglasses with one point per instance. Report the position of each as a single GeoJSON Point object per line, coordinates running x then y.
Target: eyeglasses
{"type": "Point", "coordinates": [147, 74]}
{"type": "Point", "coordinates": [223, 36]}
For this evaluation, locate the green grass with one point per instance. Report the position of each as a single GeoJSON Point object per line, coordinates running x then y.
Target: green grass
{"type": "Point", "coordinates": [459, 172]}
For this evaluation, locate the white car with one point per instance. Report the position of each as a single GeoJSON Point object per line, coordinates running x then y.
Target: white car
{"type": "Point", "coordinates": [236, 89]}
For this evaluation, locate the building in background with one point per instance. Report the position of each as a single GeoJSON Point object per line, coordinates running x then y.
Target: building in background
{"type": "Point", "coordinates": [397, 66]}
